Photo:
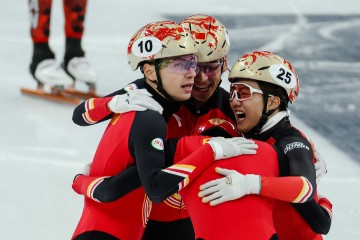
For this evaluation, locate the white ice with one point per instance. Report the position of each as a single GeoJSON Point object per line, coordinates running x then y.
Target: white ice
{"type": "Point", "coordinates": [41, 149]}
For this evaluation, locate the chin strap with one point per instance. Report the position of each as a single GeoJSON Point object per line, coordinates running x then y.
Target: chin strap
{"type": "Point", "coordinates": [264, 118]}
{"type": "Point", "coordinates": [158, 82]}
{"type": "Point", "coordinates": [275, 119]}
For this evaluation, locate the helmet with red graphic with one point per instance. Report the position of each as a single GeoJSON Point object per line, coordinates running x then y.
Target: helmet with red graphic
{"type": "Point", "coordinates": [159, 40]}
{"type": "Point", "coordinates": [216, 127]}
{"type": "Point", "coordinates": [267, 67]}
{"type": "Point", "coordinates": [210, 35]}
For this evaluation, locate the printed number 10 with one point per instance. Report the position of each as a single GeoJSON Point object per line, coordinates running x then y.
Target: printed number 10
{"type": "Point", "coordinates": [148, 45]}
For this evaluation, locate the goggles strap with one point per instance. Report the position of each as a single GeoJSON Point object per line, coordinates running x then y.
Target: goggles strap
{"type": "Point", "coordinates": [159, 84]}
{"type": "Point", "coordinates": [157, 71]}
{"type": "Point", "coordinates": [222, 60]}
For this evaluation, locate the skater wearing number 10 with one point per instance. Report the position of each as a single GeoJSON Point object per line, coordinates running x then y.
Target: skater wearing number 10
{"type": "Point", "coordinates": [169, 68]}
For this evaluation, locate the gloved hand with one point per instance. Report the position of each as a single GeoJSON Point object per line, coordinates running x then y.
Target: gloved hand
{"type": "Point", "coordinates": [233, 186]}
{"type": "Point", "coordinates": [230, 147]}
{"type": "Point", "coordinates": [134, 100]}
{"type": "Point", "coordinates": [320, 165]}
{"type": "Point", "coordinates": [84, 171]}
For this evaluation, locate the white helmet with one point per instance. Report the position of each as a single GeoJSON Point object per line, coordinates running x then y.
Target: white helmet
{"type": "Point", "coordinates": [210, 35]}
{"type": "Point", "coordinates": [159, 40]}
{"type": "Point", "coordinates": [267, 67]}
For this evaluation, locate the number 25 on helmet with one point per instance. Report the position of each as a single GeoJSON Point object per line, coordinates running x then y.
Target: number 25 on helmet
{"type": "Point", "coordinates": [268, 67]}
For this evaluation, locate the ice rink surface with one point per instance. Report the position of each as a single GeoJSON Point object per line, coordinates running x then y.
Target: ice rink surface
{"type": "Point", "coordinates": [41, 149]}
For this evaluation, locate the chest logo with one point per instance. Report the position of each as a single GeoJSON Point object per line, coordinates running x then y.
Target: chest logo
{"type": "Point", "coordinates": [158, 144]}
{"type": "Point", "coordinates": [131, 87]}
{"type": "Point", "coordinates": [295, 145]}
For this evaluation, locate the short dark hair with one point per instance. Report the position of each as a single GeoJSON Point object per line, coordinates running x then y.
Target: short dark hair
{"type": "Point", "coordinates": [141, 65]}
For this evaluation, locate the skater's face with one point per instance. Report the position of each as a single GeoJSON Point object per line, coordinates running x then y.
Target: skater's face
{"type": "Point", "coordinates": [207, 80]}
{"type": "Point", "coordinates": [247, 104]}
{"type": "Point", "coordinates": [178, 75]}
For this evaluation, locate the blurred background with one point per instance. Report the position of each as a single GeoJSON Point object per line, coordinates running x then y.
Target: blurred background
{"type": "Point", "coordinates": [41, 149]}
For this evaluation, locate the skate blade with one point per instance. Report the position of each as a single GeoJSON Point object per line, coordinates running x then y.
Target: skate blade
{"type": "Point", "coordinates": [81, 94]}
{"type": "Point", "coordinates": [57, 97]}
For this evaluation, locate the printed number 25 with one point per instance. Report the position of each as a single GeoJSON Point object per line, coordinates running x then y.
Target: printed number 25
{"type": "Point", "coordinates": [284, 75]}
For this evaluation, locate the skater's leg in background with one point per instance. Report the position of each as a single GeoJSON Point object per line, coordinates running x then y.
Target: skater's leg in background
{"type": "Point", "coordinates": [43, 66]}
{"type": "Point", "coordinates": [74, 11]}
{"type": "Point", "coordinates": [40, 12]}
{"type": "Point", "coordinates": [75, 63]}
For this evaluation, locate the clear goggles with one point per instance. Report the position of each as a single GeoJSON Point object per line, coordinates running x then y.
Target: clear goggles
{"type": "Point", "coordinates": [210, 69]}
{"type": "Point", "coordinates": [242, 91]}
{"type": "Point", "coordinates": [181, 64]}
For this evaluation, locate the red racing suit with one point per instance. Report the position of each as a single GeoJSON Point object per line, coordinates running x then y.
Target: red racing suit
{"type": "Point", "coordinates": [246, 218]}
{"type": "Point", "coordinates": [179, 125]}
{"type": "Point", "coordinates": [133, 137]}
{"type": "Point", "coordinates": [180, 122]}
{"type": "Point", "coordinates": [299, 215]}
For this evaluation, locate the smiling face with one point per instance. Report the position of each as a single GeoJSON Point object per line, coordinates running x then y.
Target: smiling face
{"type": "Point", "coordinates": [248, 112]}
{"type": "Point", "coordinates": [207, 80]}
{"type": "Point", "coordinates": [212, 42]}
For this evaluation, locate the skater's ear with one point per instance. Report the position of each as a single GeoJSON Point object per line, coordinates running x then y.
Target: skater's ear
{"type": "Point", "coordinates": [273, 102]}
{"type": "Point", "coordinates": [149, 71]}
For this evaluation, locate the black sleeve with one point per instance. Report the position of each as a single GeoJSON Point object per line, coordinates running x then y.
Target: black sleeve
{"type": "Point", "coordinates": [283, 163]}
{"type": "Point", "coordinates": [170, 149]}
{"type": "Point", "coordinates": [299, 156]}
{"type": "Point", "coordinates": [146, 142]}
{"type": "Point", "coordinates": [115, 187]}
{"type": "Point", "coordinates": [316, 216]}
{"type": "Point", "coordinates": [80, 109]}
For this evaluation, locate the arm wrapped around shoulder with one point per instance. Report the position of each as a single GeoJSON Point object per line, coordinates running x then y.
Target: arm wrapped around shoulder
{"type": "Point", "coordinates": [233, 186]}
{"type": "Point", "coordinates": [134, 100]}
{"type": "Point", "coordinates": [316, 214]}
